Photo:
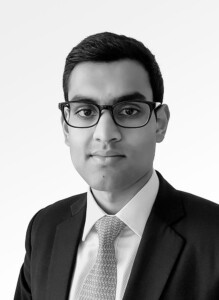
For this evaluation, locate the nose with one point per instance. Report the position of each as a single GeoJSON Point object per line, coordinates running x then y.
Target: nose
{"type": "Point", "coordinates": [106, 130]}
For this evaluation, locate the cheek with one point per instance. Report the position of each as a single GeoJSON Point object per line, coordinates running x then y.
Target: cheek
{"type": "Point", "coordinates": [143, 146]}
{"type": "Point", "coordinates": [78, 143]}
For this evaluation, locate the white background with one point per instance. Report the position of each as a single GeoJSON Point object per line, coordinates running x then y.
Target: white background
{"type": "Point", "coordinates": [36, 37]}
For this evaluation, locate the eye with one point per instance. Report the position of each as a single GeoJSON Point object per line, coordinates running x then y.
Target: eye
{"type": "Point", "coordinates": [129, 111]}
{"type": "Point", "coordinates": [86, 112]}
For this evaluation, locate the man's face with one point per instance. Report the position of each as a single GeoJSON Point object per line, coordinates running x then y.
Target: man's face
{"type": "Point", "coordinates": [109, 157]}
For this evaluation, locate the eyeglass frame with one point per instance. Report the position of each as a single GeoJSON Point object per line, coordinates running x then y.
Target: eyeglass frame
{"type": "Point", "coordinates": [152, 105]}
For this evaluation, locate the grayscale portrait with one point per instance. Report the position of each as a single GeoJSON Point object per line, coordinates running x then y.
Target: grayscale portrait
{"type": "Point", "coordinates": [131, 234]}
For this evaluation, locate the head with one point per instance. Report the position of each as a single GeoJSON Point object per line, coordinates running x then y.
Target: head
{"type": "Point", "coordinates": [104, 68]}
{"type": "Point", "coordinates": [109, 47]}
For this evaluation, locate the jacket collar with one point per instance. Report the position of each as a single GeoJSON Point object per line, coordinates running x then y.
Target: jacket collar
{"type": "Point", "coordinates": [159, 248]}
{"type": "Point", "coordinates": [158, 251]}
{"type": "Point", "coordinates": [67, 238]}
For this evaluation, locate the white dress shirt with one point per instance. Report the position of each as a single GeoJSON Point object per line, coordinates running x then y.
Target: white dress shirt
{"type": "Point", "coordinates": [134, 214]}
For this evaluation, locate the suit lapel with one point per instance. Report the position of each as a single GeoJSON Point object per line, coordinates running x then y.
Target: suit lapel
{"type": "Point", "coordinates": [158, 251]}
{"type": "Point", "coordinates": [67, 238]}
{"type": "Point", "coordinates": [160, 247]}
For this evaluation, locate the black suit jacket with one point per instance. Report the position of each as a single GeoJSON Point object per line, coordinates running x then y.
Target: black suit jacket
{"type": "Point", "coordinates": [178, 256]}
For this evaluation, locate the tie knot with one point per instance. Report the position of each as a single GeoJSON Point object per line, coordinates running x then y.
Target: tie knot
{"type": "Point", "coordinates": [108, 228]}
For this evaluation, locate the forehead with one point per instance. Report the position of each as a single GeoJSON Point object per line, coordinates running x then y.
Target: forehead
{"type": "Point", "coordinates": [105, 81]}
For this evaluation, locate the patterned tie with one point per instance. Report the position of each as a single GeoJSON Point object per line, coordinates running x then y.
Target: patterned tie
{"type": "Point", "coordinates": [100, 283]}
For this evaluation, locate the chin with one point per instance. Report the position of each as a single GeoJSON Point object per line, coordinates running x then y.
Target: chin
{"type": "Point", "coordinates": [104, 184]}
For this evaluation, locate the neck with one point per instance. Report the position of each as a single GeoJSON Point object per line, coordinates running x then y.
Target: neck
{"type": "Point", "coordinates": [113, 201]}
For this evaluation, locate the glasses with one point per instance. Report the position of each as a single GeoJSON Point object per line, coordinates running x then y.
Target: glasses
{"type": "Point", "coordinates": [129, 114]}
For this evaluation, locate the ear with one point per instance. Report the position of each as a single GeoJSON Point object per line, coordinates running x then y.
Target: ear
{"type": "Point", "coordinates": [163, 116]}
{"type": "Point", "coordinates": [65, 128]}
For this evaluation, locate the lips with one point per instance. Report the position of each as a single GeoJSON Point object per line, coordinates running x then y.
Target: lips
{"type": "Point", "coordinates": [105, 154]}
{"type": "Point", "coordinates": [106, 158]}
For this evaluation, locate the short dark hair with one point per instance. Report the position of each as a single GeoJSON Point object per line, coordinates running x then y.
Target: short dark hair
{"type": "Point", "coordinates": [108, 47]}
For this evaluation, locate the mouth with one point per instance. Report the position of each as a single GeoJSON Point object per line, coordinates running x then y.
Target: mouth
{"type": "Point", "coordinates": [106, 160]}
{"type": "Point", "coordinates": [107, 156]}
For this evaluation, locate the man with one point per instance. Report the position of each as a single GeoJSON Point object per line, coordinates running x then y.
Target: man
{"type": "Point", "coordinates": [132, 235]}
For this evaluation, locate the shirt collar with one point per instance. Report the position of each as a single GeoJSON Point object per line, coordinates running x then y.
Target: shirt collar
{"type": "Point", "coordinates": [134, 214]}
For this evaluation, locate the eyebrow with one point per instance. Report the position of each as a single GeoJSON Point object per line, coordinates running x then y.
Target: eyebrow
{"type": "Point", "coordinates": [128, 97]}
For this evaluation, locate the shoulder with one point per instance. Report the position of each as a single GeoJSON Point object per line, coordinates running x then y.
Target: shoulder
{"type": "Point", "coordinates": [62, 208]}
{"type": "Point", "coordinates": [56, 213]}
{"type": "Point", "coordinates": [200, 223]}
{"type": "Point", "coordinates": [190, 205]}
{"type": "Point", "coordinates": [193, 216]}
{"type": "Point", "coordinates": [200, 210]}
